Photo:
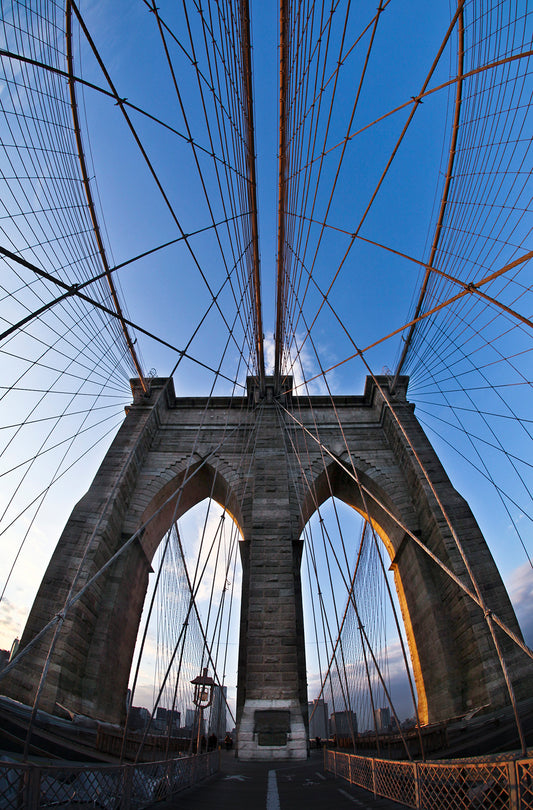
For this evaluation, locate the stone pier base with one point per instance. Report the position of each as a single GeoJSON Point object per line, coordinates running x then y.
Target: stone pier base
{"type": "Point", "coordinates": [272, 730]}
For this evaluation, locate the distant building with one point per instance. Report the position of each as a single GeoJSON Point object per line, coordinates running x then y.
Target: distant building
{"type": "Point", "coordinates": [217, 718]}
{"type": "Point", "coordinates": [14, 648]}
{"type": "Point", "coordinates": [191, 722]}
{"type": "Point", "coordinates": [166, 720]}
{"type": "Point", "coordinates": [139, 718]}
{"type": "Point", "coordinates": [383, 719]}
{"type": "Point", "coordinates": [343, 724]}
{"type": "Point", "coordinates": [4, 658]}
{"type": "Point", "coordinates": [318, 719]}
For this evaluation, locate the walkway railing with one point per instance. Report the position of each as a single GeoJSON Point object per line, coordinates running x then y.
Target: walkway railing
{"type": "Point", "coordinates": [28, 786]}
{"type": "Point", "coordinates": [450, 785]}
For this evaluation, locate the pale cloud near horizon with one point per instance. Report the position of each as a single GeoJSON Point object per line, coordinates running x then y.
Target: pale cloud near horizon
{"type": "Point", "coordinates": [12, 623]}
{"type": "Point", "coordinates": [520, 589]}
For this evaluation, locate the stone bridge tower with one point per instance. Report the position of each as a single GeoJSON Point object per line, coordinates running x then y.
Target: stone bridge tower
{"type": "Point", "coordinates": [171, 453]}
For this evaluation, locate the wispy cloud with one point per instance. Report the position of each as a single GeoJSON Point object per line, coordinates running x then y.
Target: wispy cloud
{"type": "Point", "coordinates": [303, 364]}
{"type": "Point", "coordinates": [270, 352]}
{"type": "Point", "coordinates": [520, 588]}
{"type": "Point", "coordinates": [12, 623]}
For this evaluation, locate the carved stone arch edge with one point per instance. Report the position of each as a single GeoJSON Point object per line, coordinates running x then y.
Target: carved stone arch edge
{"type": "Point", "coordinates": [334, 481]}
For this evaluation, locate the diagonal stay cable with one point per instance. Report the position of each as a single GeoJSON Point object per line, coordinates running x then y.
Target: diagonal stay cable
{"type": "Point", "coordinates": [388, 164]}
{"type": "Point", "coordinates": [17, 57]}
{"type": "Point", "coordinates": [73, 289]}
{"type": "Point", "coordinates": [251, 182]}
{"type": "Point", "coordinates": [148, 162]}
{"type": "Point", "coordinates": [199, 171]}
{"type": "Point", "coordinates": [469, 288]}
{"type": "Point", "coordinates": [344, 147]}
{"type": "Point", "coordinates": [444, 200]}
{"type": "Point", "coordinates": [99, 276]}
{"type": "Point", "coordinates": [414, 100]}
{"type": "Point", "coordinates": [90, 201]}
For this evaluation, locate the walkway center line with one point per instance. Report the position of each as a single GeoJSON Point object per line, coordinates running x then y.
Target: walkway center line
{"type": "Point", "coordinates": [351, 798]}
{"type": "Point", "coordinates": [272, 792]}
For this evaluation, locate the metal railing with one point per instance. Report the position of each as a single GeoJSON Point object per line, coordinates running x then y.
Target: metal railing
{"type": "Point", "coordinates": [496, 784]}
{"type": "Point", "coordinates": [27, 786]}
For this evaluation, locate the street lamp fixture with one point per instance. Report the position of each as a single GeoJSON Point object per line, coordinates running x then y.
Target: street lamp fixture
{"type": "Point", "coordinates": [203, 697]}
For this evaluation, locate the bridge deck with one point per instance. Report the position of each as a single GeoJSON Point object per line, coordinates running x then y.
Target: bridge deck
{"type": "Point", "coordinates": [276, 786]}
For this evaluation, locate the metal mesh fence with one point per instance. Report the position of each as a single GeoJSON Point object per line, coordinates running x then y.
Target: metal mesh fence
{"type": "Point", "coordinates": [102, 787]}
{"type": "Point", "coordinates": [361, 772]}
{"type": "Point", "coordinates": [28, 787]}
{"type": "Point", "coordinates": [452, 785]}
{"type": "Point", "coordinates": [461, 785]}
{"type": "Point", "coordinates": [342, 765]}
{"type": "Point", "coordinates": [525, 783]}
{"type": "Point", "coordinates": [13, 785]}
{"type": "Point", "coordinates": [395, 780]}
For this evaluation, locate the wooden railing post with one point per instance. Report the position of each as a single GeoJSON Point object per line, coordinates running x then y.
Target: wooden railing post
{"type": "Point", "coordinates": [374, 789]}
{"type": "Point", "coordinates": [416, 774]}
{"type": "Point", "coordinates": [127, 787]}
{"type": "Point", "coordinates": [512, 770]}
{"type": "Point", "coordinates": [33, 788]}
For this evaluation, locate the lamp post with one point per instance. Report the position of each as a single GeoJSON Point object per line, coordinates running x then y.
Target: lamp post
{"type": "Point", "coordinates": [203, 697]}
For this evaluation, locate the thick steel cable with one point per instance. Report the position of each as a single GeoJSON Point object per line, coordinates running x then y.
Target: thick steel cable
{"type": "Point", "coordinates": [149, 164]}
{"type": "Point", "coordinates": [252, 188]}
{"type": "Point", "coordinates": [192, 142]}
{"type": "Point", "coordinates": [282, 157]}
{"type": "Point", "coordinates": [384, 172]}
{"type": "Point", "coordinates": [88, 193]}
{"type": "Point", "coordinates": [72, 289]}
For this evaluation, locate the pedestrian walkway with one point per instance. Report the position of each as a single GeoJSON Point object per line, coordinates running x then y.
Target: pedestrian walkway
{"type": "Point", "coordinates": [276, 786]}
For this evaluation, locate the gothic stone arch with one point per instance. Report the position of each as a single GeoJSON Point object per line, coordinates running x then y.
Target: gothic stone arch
{"type": "Point", "coordinates": [243, 458]}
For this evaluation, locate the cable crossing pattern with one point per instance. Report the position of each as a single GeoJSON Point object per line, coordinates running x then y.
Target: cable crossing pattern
{"type": "Point", "coordinates": [141, 151]}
